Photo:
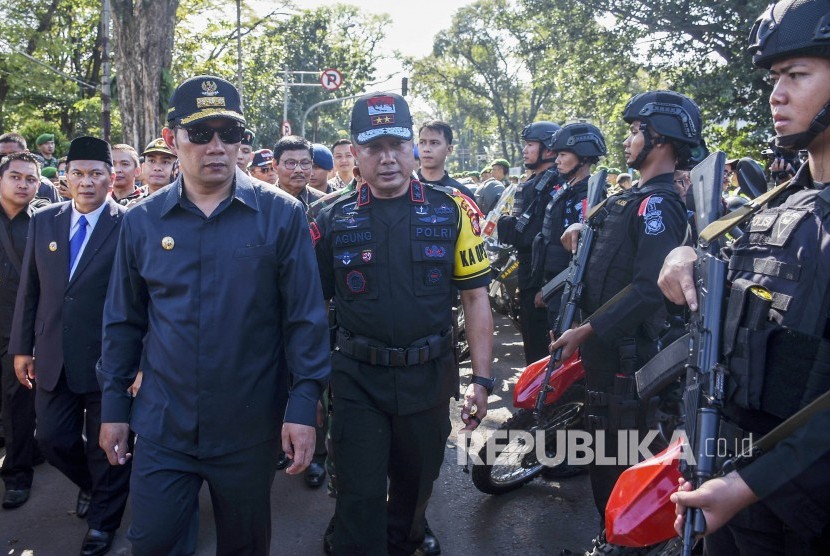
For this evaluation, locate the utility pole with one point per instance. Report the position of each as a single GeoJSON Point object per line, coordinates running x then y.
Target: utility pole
{"type": "Point", "coordinates": [286, 84]}
{"type": "Point", "coordinates": [285, 100]}
{"type": "Point", "coordinates": [105, 74]}
{"type": "Point", "coordinates": [239, 52]}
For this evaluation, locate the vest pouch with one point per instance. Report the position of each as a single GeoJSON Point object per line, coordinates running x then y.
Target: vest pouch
{"type": "Point", "coordinates": [747, 365]}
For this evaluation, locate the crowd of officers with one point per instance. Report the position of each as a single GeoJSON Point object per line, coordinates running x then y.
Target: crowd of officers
{"type": "Point", "coordinates": [122, 313]}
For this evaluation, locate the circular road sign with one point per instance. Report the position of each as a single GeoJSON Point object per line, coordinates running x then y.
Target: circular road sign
{"type": "Point", "coordinates": [286, 128]}
{"type": "Point", "coordinates": [331, 79]}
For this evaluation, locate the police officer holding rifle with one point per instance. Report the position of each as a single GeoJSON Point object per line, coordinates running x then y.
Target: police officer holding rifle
{"type": "Point", "coordinates": [778, 501]}
{"type": "Point", "coordinates": [634, 231]}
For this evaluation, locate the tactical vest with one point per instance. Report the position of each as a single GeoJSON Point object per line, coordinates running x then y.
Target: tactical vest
{"type": "Point", "coordinates": [778, 368]}
{"type": "Point", "coordinates": [527, 196]}
{"type": "Point", "coordinates": [559, 214]}
{"type": "Point", "coordinates": [787, 250]}
{"type": "Point", "coordinates": [610, 267]}
{"type": "Point", "coordinates": [359, 267]}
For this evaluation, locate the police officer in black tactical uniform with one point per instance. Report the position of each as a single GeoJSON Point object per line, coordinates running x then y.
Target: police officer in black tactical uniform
{"type": "Point", "coordinates": [577, 146]}
{"type": "Point", "coordinates": [389, 254]}
{"type": "Point", "coordinates": [780, 502]}
{"type": "Point", "coordinates": [636, 229]}
{"type": "Point", "coordinates": [520, 228]}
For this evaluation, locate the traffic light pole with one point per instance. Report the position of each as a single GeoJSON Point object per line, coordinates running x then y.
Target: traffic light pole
{"type": "Point", "coordinates": [286, 88]}
{"type": "Point", "coordinates": [318, 105]}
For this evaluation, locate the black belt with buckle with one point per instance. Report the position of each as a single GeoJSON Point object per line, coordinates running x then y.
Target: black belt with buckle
{"type": "Point", "coordinates": [369, 350]}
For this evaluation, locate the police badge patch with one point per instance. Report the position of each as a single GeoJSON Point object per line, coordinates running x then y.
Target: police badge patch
{"type": "Point", "coordinates": [652, 216]}
{"type": "Point", "coordinates": [356, 282]}
{"type": "Point", "coordinates": [433, 276]}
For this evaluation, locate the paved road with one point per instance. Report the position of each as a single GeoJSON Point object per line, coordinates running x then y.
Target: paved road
{"type": "Point", "coordinates": [540, 518]}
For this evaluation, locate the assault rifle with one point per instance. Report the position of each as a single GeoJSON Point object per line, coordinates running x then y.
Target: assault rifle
{"type": "Point", "coordinates": [574, 281]}
{"type": "Point", "coordinates": [704, 394]}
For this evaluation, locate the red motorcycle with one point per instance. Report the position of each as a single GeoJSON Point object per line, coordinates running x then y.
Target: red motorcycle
{"type": "Point", "coordinates": [505, 467]}
{"type": "Point", "coordinates": [639, 512]}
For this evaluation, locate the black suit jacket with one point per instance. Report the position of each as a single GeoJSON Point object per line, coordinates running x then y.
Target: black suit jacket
{"type": "Point", "coordinates": [56, 319]}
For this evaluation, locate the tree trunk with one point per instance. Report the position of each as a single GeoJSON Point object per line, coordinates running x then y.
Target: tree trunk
{"type": "Point", "coordinates": [143, 33]}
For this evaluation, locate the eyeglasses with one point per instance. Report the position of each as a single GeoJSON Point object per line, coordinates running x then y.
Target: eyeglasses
{"type": "Point", "coordinates": [203, 134]}
{"type": "Point", "coordinates": [290, 164]}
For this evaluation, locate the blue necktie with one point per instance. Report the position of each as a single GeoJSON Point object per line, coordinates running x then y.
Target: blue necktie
{"type": "Point", "coordinates": [76, 242]}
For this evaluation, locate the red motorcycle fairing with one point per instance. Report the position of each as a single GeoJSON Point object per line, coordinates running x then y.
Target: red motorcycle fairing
{"type": "Point", "coordinates": [530, 382]}
{"type": "Point", "coordinates": [639, 512]}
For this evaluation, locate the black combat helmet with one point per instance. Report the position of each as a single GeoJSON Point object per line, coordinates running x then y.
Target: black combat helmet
{"type": "Point", "coordinates": [791, 28]}
{"type": "Point", "coordinates": [788, 29]}
{"type": "Point", "coordinates": [675, 118]}
{"type": "Point", "coordinates": [583, 139]}
{"type": "Point", "coordinates": [543, 132]}
{"type": "Point", "coordinates": [667, 113]}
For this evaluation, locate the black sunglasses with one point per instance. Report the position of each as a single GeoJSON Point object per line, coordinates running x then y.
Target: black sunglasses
{"type": "Point", "coordinates": [203, 134]}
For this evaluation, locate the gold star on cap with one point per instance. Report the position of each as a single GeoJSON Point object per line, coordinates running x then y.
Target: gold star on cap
{"type": "Point", "coordinates": [53, 246]}
{"type": "Point", "coordinates": [167, 243]}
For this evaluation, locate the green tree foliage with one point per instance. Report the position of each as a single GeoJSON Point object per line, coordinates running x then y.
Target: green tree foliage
{"type": "Point", "coordinates": [338, 36]}
{"type": "Point", "coordinates": [503, 64]}
{"type": "Point", "coordinates": [63, 36]}
{"type": "Point", "coordinates": [49, 50]}
{"type": "Point", "coordinates": [699, 48]}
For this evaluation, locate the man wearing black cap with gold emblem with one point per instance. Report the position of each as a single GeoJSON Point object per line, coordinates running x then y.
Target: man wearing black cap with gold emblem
{"type": "Point", "coordinates": [215, 294]}
{"type": "Point", "coordinates": [396, 246]}
{"type": "Point", "coordinates": [58, 314]}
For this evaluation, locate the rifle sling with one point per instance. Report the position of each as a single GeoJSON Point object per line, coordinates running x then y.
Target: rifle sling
{"type": "Point", "coordinates": [595, 209]}
{"type": "Point", "coordinates": [725, 223]}
{"type": "Point", "coordinates": [611, 302]}
{"type": "Point", "coordinates": [782, 431]}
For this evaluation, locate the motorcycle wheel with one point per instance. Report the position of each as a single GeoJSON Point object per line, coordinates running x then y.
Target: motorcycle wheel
{"type": "Point", "coordinates": [513, 309]}
{"type": "Point", "coordinates": [462, 346]}
{"type": "Point", "coordinates": [498, 298]}
{"type": "Point", "coordinates": [513, 466]}
{"type": "Point", "coordinates": [671, 547]}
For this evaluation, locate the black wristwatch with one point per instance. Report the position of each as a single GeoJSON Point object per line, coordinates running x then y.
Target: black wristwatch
{"type": "Point", "coordinates": [488, 383]}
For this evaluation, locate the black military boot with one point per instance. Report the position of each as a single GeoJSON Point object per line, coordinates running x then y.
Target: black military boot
{"type": "Point", "coordinates": [430, 546]}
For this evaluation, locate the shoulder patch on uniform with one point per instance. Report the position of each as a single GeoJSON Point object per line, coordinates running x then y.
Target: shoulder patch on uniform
{"type": "Point", "coordinates": [364, 196]}
{"type": "Point", "coordinates": [469, 207]}
{"type": "Point", "coordinates": [315, 233]}
{"type": "Point", "coordinates": [416, 192]}
{"type": "Point", "coordinates": [652, 215]}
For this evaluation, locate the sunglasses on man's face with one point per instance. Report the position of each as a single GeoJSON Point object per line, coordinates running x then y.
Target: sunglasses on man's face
{"type": "Point", "coordinates": [203, 134]}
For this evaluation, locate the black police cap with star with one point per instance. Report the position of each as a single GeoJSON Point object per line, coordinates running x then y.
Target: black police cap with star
{"type": "Point", "coordinates": [380, 115]}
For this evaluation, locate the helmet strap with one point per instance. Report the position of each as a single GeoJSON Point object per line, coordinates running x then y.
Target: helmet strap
{"type": "Point", "coordinates": [568, 175]}
{"type": "Point", "coordinates": [648, 144]}
{"type": "Point", "coordinates": [798, 141]}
